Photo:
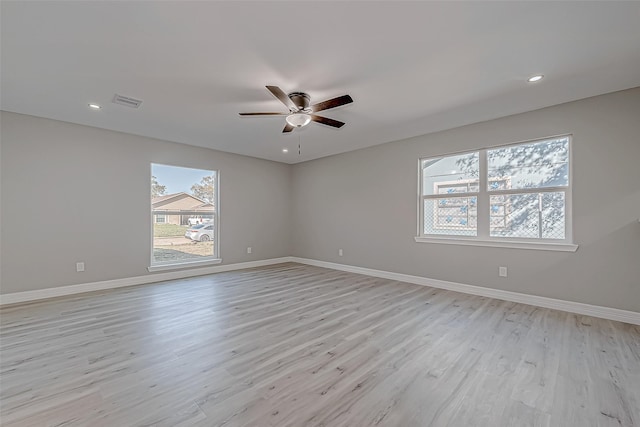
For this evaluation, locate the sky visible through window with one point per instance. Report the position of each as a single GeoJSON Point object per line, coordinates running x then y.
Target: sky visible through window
{"type": "Point", "coordinates": [177, 179]}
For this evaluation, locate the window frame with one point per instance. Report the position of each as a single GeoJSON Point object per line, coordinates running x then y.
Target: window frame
{"type": "Point", "coordinates": [483, 237]}
{"type": "Point", "coordinates": [200, 262]}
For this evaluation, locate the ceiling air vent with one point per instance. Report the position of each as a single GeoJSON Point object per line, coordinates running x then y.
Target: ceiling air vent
{"type": "Point", "coordinates": [126, 101]}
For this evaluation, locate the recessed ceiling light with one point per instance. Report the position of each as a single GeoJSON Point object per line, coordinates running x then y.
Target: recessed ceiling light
{"type": "Point", "coordinates": [285, 150]}
{"type": "Point", "coordinates": [535, 78]}
{"type": "Point", "coordinates": [95, 106]}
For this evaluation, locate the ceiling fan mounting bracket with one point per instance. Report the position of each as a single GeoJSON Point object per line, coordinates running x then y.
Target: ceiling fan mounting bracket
{"type": "Point", "coordinates": [300, 99]}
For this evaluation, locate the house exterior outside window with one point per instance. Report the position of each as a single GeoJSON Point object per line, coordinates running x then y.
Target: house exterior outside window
{"type": "Point", "coordinates": [184, 217]}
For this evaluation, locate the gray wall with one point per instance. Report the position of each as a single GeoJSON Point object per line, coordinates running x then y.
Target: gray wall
{"type": "Point", "coordinates": [366, 203]}
{"type": "Point", "coordinates": [61, 185]}
{"type": "Point", "coordinates": [64, 188]}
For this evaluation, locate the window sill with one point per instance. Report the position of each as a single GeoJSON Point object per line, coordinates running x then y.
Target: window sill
{"type": "Point", "coordinates": [562, 247]}
{"type": "Point", "coordinates": [177, 266]}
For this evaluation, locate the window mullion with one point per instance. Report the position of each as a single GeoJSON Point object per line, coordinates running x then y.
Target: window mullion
{"type": "Point", "coordinates": [483, 197]}
{"type": "Point", "coordinates": [527, 190]}
{"type": "Point", "coordinates": [420, 199]}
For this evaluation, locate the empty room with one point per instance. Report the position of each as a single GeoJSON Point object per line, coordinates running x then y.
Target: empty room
{"type": "Point", "coordinates": [319, 213]}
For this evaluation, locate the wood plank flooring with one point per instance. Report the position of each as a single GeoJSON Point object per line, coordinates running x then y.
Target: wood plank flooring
{"type": "Point", "coordinates": [294, 345]}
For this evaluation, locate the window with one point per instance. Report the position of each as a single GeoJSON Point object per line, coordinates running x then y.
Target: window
{"type": "Point", "coordinates": [515, 193]}
{"type": "Point", "coordinates": [184, 209]}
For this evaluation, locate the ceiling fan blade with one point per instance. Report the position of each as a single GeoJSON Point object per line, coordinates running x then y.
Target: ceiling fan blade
{"type": "Point", "coordinates": [264, 114]}
{"type": "Point", "coordinates": [278, 93]}
{"type": "Point", "coordinates": [327, 121]}
{"type": "Point", "coordinates": [331, 103]}
{"type": "Point", "coordinates": [287, 128]}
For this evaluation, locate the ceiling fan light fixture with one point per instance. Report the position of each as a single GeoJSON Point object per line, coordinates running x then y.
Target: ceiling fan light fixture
{"type": "Point", "coordinates": [298, 119]}
{"type": "Point", "coordinates": [300, 112]}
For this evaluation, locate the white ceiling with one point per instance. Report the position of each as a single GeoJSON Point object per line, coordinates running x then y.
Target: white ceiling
{"type": "Point", "coordinates": [412, 68]}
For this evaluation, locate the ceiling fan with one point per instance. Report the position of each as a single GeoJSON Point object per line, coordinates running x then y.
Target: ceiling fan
{"type": "Point", "coordinates": [300, 113]}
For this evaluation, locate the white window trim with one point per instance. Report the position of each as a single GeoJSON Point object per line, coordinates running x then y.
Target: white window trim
{"type": "Point", "coordinates": [483, 238]}
{"type": "Point", "coordinates": [170, 265]}
{"type": "Point", "coordinates": [187, 264]}
{"type": "Point", "coordinates": [511, 244]}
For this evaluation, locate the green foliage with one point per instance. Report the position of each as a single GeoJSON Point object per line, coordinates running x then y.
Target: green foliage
{"type": "Point", "coordinates": [157, 189]}
{"type": "Point", "coordinates": [205, 190]}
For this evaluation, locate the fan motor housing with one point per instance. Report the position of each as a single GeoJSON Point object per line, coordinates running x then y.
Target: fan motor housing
{"type": "Point", "coordinates": [300, 100]}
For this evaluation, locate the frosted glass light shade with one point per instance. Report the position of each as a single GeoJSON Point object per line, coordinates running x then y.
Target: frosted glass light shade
{"type": "Point", "coordinates": [298, 119]}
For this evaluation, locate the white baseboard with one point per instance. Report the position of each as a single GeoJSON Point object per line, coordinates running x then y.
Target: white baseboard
{"type": "Point", "coordinates": [26, 296]}
{"type": "Point", "coordinates": [556, 304]}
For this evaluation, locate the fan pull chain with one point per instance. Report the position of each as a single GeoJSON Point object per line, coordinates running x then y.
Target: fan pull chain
{"type": "Point", "coordinates": [298, 144]}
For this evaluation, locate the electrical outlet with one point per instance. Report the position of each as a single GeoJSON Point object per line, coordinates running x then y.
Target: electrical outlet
{"type": "Point", "coordinates": [502, 271]}
{"type": "Point", "coordinates": [79, 266]}
{"type": "Point", "coordinates": [249, 250]}
{"type": "Point", "coordinates": [339, 252]}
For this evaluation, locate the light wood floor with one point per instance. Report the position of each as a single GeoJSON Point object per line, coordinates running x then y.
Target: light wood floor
{"type": "Point", "coordinates": [293, 345]}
